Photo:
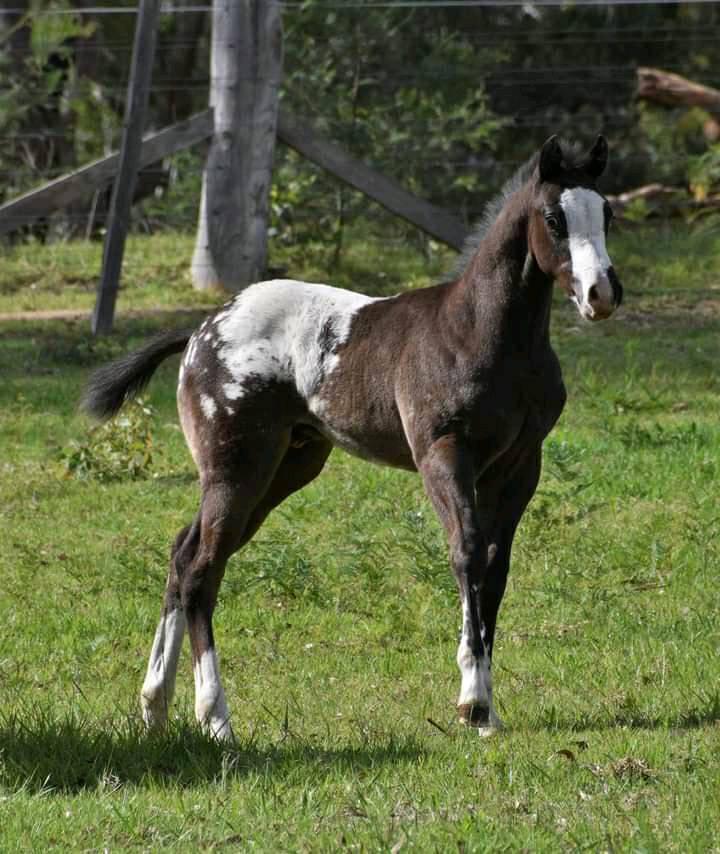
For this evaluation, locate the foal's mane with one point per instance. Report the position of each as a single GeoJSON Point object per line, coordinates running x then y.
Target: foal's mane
{"type": "Point", "coordinates": [491, 211]}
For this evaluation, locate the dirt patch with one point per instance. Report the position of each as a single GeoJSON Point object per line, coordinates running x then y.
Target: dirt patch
{"type": "Point", "coordinates": [84, 314]}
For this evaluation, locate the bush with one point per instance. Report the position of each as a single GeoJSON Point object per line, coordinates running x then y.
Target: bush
{"type": "Point", "coordinates": [121, 449]}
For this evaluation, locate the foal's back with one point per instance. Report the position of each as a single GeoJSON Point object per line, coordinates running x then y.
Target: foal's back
{"type": "Point", "coordinates": [291, 353]}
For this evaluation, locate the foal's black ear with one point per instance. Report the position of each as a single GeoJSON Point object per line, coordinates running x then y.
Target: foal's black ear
{"type": "Point", "coordinates": [550, 159]}
{"type": "Point", "coordinates": [598, 157]}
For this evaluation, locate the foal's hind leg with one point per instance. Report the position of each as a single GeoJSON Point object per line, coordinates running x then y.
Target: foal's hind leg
{"type": "Point", "coordinates": [231, 513]}
{"type": "Point", "coordinates": [300, 465]}
{"type": "Point", "coordinates": [159, 685]}
{"type": "Point", "coordinates": [195, 574]}
{"type": "Point", "coordinates": [225, 511]}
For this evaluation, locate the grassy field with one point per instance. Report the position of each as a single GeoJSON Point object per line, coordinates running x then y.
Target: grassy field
{"type": "Point", "coordinates": [337, 627]}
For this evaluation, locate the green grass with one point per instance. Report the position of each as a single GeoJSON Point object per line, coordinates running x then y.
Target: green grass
{"type": "Point", "coordinates": [156, 272]}
{"type": "Point", "coordinates": [337, 627]}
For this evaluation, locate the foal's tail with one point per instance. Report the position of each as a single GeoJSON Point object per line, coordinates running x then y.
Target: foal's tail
{"type": "Point", "coordinates": [113, 384]}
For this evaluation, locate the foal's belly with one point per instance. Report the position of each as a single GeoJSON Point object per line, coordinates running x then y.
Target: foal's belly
{"type": "Point", "coordinates": [363, 437]}
{"type": "Point", "coordinates": [376, 449]}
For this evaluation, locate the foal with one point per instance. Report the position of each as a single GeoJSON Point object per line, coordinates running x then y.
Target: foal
{"type": "Point", "coordinates": [456, 381]}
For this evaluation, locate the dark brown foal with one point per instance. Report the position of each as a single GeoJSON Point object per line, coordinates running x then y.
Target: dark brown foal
{"type": "Point", "coordinates": [457, 381]}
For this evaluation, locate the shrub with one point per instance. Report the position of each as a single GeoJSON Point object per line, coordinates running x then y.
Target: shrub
{"type": "Point", "coordinates": [121, 449]}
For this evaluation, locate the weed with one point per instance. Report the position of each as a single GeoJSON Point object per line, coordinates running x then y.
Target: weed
{"type": "Point", "coordinates": [635, 435]}
{"type": "Point", "coordinates": [122, 448]}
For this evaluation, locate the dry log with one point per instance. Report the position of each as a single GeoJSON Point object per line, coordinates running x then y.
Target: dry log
{"type": "Point", "coordinates": [661, 199]}
{"type": "Point", "coordinates": [672, 90]}
{"type": "Point", "coordinates": [650, 193]}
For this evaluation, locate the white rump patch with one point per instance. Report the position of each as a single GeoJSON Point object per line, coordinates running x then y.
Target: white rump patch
{"type": "Point", "coordinates": [208, 406]}
{"type": "Point", "coordinates": [285, 330]}
{"type": "Point", "coordinates": [585, 217]}
{"type": "Point", "coordinates": [211, 708]}
{"type": "Point", "coordinates": [159, 685]}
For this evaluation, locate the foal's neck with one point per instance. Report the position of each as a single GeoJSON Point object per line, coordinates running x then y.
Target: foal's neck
{"type": "Point", "coordinates": [507, 294]}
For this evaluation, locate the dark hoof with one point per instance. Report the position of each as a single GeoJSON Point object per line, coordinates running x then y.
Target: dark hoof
{"type": "Point", "coordinates": [474, 715]}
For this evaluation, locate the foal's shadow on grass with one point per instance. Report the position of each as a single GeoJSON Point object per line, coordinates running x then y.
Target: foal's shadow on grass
{"type": "Point", "coordinates": [42, 755]}
{"type": "Point", "coordinates": [705, 713]}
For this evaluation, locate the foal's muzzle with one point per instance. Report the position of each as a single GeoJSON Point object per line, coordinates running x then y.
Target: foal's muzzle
{"type": "Point", "coordinates": [601, 298]}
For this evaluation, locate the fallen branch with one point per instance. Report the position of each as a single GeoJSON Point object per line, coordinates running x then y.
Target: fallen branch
{"type": "Point", "coordinates": [660, 199]}
{"type": "Point", "coordinates": [650, 194]}
{"type": "Point", "coordinates": [672, 90]}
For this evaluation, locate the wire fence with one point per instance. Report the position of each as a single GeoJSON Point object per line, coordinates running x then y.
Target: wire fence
{"type": "Point", "coordinates": [172, 9]}
{"type": "Point", "coordinates": [543, 93]}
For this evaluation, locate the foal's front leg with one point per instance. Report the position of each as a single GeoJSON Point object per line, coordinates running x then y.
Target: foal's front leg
{"type": "Point", "coordinates": [447, 473]}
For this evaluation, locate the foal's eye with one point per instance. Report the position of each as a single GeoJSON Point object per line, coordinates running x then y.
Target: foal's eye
{"type": "Point", "coordinates": [555, 219]}
{"type": "Point", "coordinates": [553, 222]}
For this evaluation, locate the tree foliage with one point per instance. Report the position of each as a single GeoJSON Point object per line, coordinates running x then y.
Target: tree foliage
{"type": "Point", "coordinates": [447, 100]}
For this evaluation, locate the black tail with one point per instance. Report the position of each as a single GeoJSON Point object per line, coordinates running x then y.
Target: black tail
{"type": "Point", "coordinates": [123, 379]}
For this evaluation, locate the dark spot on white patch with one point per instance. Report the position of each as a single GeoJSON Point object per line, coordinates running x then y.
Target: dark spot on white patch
{"type": "Point", "coordinates": [255, 383]}
{"type": "Point", "coordinates": [327, 339]}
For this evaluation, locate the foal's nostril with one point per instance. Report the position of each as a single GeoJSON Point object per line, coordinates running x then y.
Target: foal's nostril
{"type": "Point", "coordinates": [593, 294]}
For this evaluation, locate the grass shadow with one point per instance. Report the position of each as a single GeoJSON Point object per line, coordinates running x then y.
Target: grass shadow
{"type": "Point", "coordinates": [42, 754]}
{"type": "Point", "coordinates": [180, 478]}
{"type": "Point", "coordinates": [705, 713]}
{"type": "Point", "coordinates": [48, 346]}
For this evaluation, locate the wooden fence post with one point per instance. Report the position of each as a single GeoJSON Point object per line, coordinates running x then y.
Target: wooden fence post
{"type": "Point", "coordinates": [135, 112]}
{"type": "Point", "coordinates": [246, 68]}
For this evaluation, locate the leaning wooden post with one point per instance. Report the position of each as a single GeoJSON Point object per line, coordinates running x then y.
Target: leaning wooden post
{"type": "Point", "coordinates": [124, 186]}
{"type": "Point", "coordinates": [246, 70]}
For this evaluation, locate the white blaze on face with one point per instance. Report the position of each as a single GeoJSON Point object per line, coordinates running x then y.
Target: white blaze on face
{"type": "Point", "coordinates": [585, 217]}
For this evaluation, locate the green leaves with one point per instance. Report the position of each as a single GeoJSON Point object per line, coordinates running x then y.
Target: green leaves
{"type": "Point", "coordinates": [51, 35]}
{"type": "Point", "coordinates": [416, 111]}
{"type": "Point", "coordinates": [121, 449]}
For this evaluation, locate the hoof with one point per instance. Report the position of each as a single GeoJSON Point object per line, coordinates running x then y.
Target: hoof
{"type": "Point", "coordinates": [154, 711]}
{"type": "Point", "coordinates": [480, 717]}
{"type": "Point", "coordinates": [219, 730]}
{"type": "Point", "coordinates": [488, 730]}
{"type": "Point", "coordinates": [475, 715]}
